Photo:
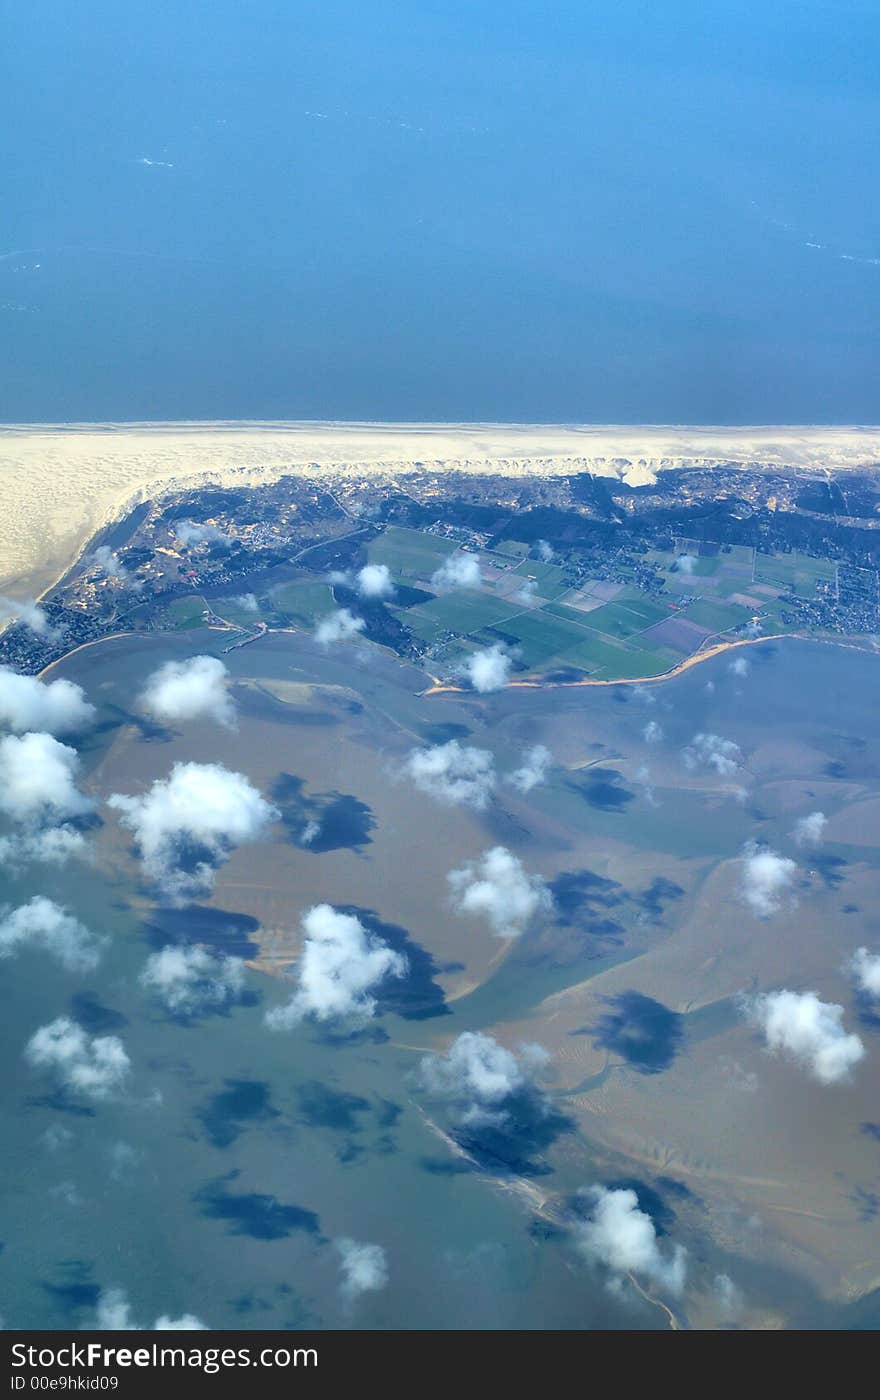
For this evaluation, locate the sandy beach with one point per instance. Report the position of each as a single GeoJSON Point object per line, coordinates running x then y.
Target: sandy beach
{"type": "Point", "coordinates": [62, 483]}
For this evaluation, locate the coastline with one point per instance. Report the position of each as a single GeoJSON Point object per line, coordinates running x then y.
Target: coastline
{"type": "Point", "coordinates": [64, 483]}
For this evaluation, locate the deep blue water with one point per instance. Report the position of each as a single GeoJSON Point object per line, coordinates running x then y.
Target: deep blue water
{"type": "Point", "coordinates": [569, 211]}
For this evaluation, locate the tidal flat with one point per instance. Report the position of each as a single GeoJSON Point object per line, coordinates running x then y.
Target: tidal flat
{"type": "Point", "coordinates": [248, 1151]}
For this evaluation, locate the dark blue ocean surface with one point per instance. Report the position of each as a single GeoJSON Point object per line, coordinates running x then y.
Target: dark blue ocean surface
{"type": "Point", "coordinates": [606, 212]}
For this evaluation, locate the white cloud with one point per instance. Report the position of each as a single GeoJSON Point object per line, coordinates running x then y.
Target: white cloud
{"type": "Point", "coordinates": [728, 1296]}
{"type": "Point", "coordinates": [487, 670]}
{"type": "Point", "coordinates": [457, 571]}
{"type": "Point", "coordinates": [807, 1030]}
{"type": "Point", "coordinates": [189, 690]}
{"type": "Point", "coordinates": [364, 1267]}
{"type": "Point", "coordinates": [809, 830]}
{"type": "Point", "coordinates": [652, 732]}
{"type": "Point", "coordinates": [53, 845]}
{"type": "Point", "coordinates": [310, 832]}
{"type": "Point", "coordinates": [478, 1075]}
{"type": "Point", "coordinates": [109, 563]}
{"type": "Point", "coordinates": [28, 704]}
{"type": "Point", "coordinates": [114, 1315]}
{"type": "Point", "coordinates": [190, 980]}
{"type": "Point", "coordinates": [247, 602]}
{"type": "Point", "coordinates": [865, 967]}
{"type": "Point", "coordinates": [37, 779]}
{"type": "Point", "coordinates": [526, 593]}
{"type": "Point", "coordinates": [545, 551]}
{"type": "Point", "coordinates": [712, 751]}
{"type": "Point", "coordinates": [28, 613]}
{"type": "Point", "coordinates": [341, 964]}
{"type": "Point", "coordinates": [739, 666]}
{"type": "Point", "coordinates": [190, 532]}
{"type": "Point", "coordinates": [375, 581]}
{"type": "Point", "coordinates": [43, 924]}
{"type": "Point", "coordinates": [766, 879]}
{"type": "Point", "coordinates": [339, 626]}
{"type": "Point", "coordinates": [94, 1065]}
{"type": "Point", "coordinates": [622, 1237]}
{"type": "Point", "coordinates": [535, 764]}
{"type": "Point", "coordinates": [454, 773]}
{"type": "Point", "coordinates": [189, 823]}
{"type": "Point", "coordinates": [498, 887]}
{"type": "Point", "coordinates": [686, 563]}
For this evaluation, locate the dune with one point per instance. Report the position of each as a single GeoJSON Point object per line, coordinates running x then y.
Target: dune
{"type": "Point", "coordinates": [62, 483]}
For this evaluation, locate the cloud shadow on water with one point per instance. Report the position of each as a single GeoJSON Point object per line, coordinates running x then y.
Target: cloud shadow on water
{"type": "Point", "coordinates": [94, 1017]}
{"type": "Point", "coordinates": [604, 789]}
{"type": "Point", "coordinates": [239, 1104]}
{"type": "Point", "coordinates": [253, 1213]}
{"type": "Point", "coordinates": [514, 1145]}
{"type": "Point", "coordinates": [341, 820]}
{"type": "Point", "coordinates": [415, 996]}
{"type": "Point", "coordinates": [218, 929]}
{"type": "Point", "coordinates": [643, 1031]}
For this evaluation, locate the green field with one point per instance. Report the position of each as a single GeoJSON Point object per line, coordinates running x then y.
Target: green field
{"type": "Point", "coordinates": [718, 617]}
{"type": "Point", "coordinates": [233, 612]}
{"type": "Point", "coordinates": [187, 612]}
{"type": "Point", "coordinates": [410, 553]}
{"type": "Point", "coordinates": [552, 581]}
{"type": "Point", "coordinates": [624, 617]}
{"type": "Point", "coordinates": [464, 611]}
{"type": "Point", "coordinates": [795, 571]}
{"type": "Point", "coordinates": [303, 602]}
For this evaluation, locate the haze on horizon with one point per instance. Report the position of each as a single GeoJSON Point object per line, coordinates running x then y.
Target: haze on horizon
{"type": "Point", "coordinates": [574, 212]}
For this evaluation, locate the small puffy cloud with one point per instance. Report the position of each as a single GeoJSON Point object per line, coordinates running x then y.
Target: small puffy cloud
{"type": "Point", "coordinates": [652, 732]}
{"type": "Point", "coordinates": [340, 966]}
{"type": "Point", "coordinates": [339, 626]}
{"type": "Point", "coordinates": [108, 562]}
{"type": "Point", "coordinates": [27, 704]}
{"type": "Point", "coordinates": [28, 613]}
{"type": "Point", "coordinates": [189, 690]}
{"type": "Point", "coordinates": [739, 666]}
{"type": "Point", "coordinates": [114, 1315]}
{"type": "Point", "coordinates": [535, 765]}
{"type": "Point", "coordinates": [545, 551]}
{"type": "Point", "coordinates": [497, 887]}
{"type": "Point", "coordinates": [712, 751]}
{"type": "Point", "coordinates": [188, 824]}
{"type": "Point", "coordinates": [454, 773]}
{"type": "Point", "coordinates": [191, 532]}
{"type": "Point", "coordinates": [686, 563]}
{"type": "Point", "coordinates": [809, 830]}
{"type": "Point", "coordinates": [620, 1236]}
{"type": "Point", "coordinates": [728, 1297]}
{"type": "Point", "coordinates": [806, 1030]}
{"type": "Point", "coordinates": [480, 1077]}
{"type": "Point", "coordinates": [865, 968]}
{"type": "Point", "coordinates": [43, 924]}
{"type": "Point", "coordinates": [766, 879]}
{"type": "Point", "coordinates": [487, 670]}
{"type": "Point", "coordinates": [247, 602]}
{"type": "Point", "coordinates": [310, 832]}
{"type": "Point", "coordinates": [364, 1267]}
{"type": "Point", "coordinates": [375, 581]}
{"type": "Point", "coordinates": [190, 981]}
{"type": "Point", "coordinates": [51, 845]}
{"type": "Point", "coordinates": [37, 779]}
{"type": "Point", "coordinates": [527, 592]}
{"type": "Point", "coordinates": [457, 571]}
{"type": "Point", "coordinates": [94, 1065]}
